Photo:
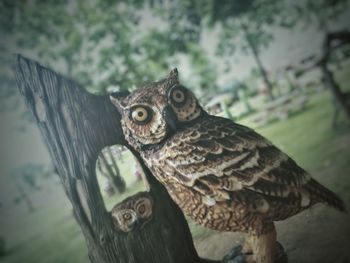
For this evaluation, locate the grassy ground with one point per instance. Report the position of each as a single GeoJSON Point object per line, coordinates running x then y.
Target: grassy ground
{"type": "Point", "coordinates": [51, 235]}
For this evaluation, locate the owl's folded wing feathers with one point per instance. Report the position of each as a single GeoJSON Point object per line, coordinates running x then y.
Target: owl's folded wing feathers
{"type": "Point", "coordinates": [217, 157]}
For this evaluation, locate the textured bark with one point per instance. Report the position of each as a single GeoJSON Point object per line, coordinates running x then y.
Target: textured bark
{"type": "Point", "coordinates": [76, 126]}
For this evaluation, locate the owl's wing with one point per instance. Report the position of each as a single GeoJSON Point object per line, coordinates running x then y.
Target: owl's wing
{"type": "Point", "coordinates": [218, 157]}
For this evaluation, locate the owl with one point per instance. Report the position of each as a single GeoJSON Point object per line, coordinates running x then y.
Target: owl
{"type": "Point", "coordinates": [223, 175]}
{"type": "Point", "coordinates": [133, 212]}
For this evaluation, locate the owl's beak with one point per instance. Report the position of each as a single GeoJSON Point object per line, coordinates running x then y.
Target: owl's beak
{"type": "Point", "coordinates": [170, 118]}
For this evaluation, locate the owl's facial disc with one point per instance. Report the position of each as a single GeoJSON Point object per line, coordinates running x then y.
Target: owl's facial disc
{"type": "Point", "coordinates": [143, 123]}
{"type": "Point", "coordinates": [178, 96]}
{"type": "Point", "coordinates": [184, 104]}
{"type": "Point", "coordinates": [125, 219]}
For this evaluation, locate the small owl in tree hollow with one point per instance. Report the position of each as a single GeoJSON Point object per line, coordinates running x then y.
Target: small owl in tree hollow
{"type": "Point", "coordinates": [133, 212]}
{"type": "Point", "coordinates": [223, 175]}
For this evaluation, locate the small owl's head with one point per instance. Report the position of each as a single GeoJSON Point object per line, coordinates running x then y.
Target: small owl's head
{"type": "Point", "coordinates": [155, 111]}
{"type": "Point", "coordinates": [133, 212]}
{"type": "Point", "coordinates": [125, 219]}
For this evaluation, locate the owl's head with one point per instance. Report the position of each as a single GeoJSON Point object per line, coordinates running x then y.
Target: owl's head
{"type": "Point", "coordinates": [133, 212]}
{"type": "Point", "coordinates": [157, 110]}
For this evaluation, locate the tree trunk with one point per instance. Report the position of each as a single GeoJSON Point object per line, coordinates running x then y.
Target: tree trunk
{"type": "Point", "coordinates": [117, 178]}
{"type": "Point", "coordinates": [76, 126]}
{"type": "Point", "coordinates": [261, 67]}
{"type": "Point", "coordinates": [111, 171]}
{"type": "Point", "coordinates": [323, 26]}
{"type": "Point", "coordinates": [339, 96]}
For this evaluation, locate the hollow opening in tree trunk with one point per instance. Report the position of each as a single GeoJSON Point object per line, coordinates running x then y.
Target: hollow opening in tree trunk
{"type": "Point", "coordinates": [119, 175]}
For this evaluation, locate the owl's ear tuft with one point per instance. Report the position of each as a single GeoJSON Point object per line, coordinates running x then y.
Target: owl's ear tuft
{"type": "Point", "coordinates": [118, 99]}
{"type": "Point", "coordinates": [173, 73]}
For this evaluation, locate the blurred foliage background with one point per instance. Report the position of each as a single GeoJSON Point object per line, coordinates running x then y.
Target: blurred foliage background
{"type": "Point", "coordinates": [251, 61]}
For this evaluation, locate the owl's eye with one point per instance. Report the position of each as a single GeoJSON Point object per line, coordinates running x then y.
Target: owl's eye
{"type": "Point", "coordinates": [127, 216]}
{"type": "Point", "coordinates": [142, 209]}
{"type": "Point", "coordinates": [141, 115]}
{"type": "Point", "coordinates": [178, 96]}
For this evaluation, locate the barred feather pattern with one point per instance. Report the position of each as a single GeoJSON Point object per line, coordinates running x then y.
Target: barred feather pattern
{"type": "Point", "coordinates": [227, 177]}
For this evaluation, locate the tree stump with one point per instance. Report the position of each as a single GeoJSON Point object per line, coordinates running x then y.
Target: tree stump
{"type": "Point", "coordinates": [76, 126]}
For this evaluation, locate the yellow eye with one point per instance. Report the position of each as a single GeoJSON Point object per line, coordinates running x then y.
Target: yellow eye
{"type": "Point", "coordinates": [140, 115]}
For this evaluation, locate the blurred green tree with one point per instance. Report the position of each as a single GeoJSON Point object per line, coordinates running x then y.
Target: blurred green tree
{"type": "Point", "coordinates": [95, 42]}
{"type": "Point", "coordinates": [203, 67]}
{"type": "Point", "coordinates": [101, 44]}
{"type": "Point", "coordinates": [246, 29]}
{"type": "Point", "coordinates": [108, 167]}
{"type": "Point", "coordinates": [104, 44]}
{"type": "Point", "coordinates": [184, 26]}
{"type": "Point", "coordinates": [90, 41]}
{"type": "Point", "coordinates": [244, 25]}
{"type": "Point", "coordinates": [320, 13]}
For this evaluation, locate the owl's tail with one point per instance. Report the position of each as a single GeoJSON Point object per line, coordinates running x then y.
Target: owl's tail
{"type": "Point", "coordinates": [324, 195]}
